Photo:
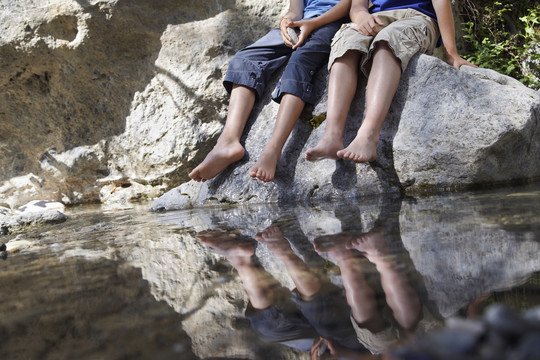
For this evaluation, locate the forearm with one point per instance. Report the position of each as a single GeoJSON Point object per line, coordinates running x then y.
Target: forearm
{"type": "Point", "coordinates": [296, 10]}
{"type": "Point", "coordinates": [359, 8]}
{"type": "Point", "coordinates": [443, 10]}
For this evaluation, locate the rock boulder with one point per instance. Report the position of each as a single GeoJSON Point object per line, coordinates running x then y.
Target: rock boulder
{"type": "Point", "coordinates": [446, 130]}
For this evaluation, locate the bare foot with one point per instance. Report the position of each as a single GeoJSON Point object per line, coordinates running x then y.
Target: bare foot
{"type": "Point", "coordinates": [325, 149]}
{"type": "Point", "coordinates": [265, 168]}
{"type": "Point", "coordinates": [217, 160]}
{"type": "Point", "coordinates": [372, 244]}
{"type": "Point", "coordinates": [336, 245]}
{"type": "Point", "coordinates": [274, 240]}
{"type": "Point", "coordinates": [362, 149]}
{"type": "Point", "coordinates": [225, 244]}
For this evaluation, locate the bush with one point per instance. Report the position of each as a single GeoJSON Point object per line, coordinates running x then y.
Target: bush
{"type": "Point", "coordinates": [504, 37]}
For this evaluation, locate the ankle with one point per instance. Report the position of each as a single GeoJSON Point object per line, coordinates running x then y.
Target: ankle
{"type": "Point", "coordinates": [272, 149]}
{"type": "Point", "coordinates": [332, 137]}
{"type": "Point", "coordinates": [369, 134]}
{"type": "Point", "coordinates": [227, 141]}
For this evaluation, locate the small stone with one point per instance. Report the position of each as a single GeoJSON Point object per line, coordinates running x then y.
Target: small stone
{"type": "Point", "coordinates": [293, 35]}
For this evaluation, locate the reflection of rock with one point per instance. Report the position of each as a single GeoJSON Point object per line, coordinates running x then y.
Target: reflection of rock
{"type": "Point", "coordinates": [464, 254]}
{"type": "Point", "coordinates": [73, 309]}
{"type": "Point", "coordinates": [460, 252]}
{"type": "Point", "coordinates": [203, 289]}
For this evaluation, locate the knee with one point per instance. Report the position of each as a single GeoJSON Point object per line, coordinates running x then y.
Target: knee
{"type": "Point", "coordinates": [382, 46]}
{"type": "Point", "coordinates": [351, 57]}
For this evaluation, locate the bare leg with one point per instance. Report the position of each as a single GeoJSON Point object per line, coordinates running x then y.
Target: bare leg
{"type": "Point", "coordinates": [259, 285]}
{"type": "Point", "coordinates": [360, 296]}
{"type": "Point", "coordinates": [228, 148]}
{"type": "Point", "coordinates": [290, 109]}
{"type": "Point", "coordinates": [382, 85]}
{"type": "Point", "coordinates": [341, 89]}
{"type": "Point", "coordinates": [307, 283]}
{"type": "Point", "coordinates": [400, 295]}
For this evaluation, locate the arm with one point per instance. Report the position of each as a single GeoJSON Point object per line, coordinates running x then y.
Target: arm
{"type": "Point", "coordinates": [366, 23]}
{"type": "Point", "coordinates": [307, 26]}
{"type": "Point", "coordinates": [295, 12]}
{"type": "Point", "coordinates": [443, 10]}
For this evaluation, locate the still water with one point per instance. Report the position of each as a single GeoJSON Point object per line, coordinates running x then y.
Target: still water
{"type": "Point", "coordinates": [266, 282]}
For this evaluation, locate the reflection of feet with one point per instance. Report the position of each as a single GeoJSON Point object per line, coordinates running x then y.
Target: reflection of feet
{"type": "Point", "coordinates": [274, 240]}
{"type": "Point", "coordinates": [325, 149]}
{"type": "Point", "coordinates": [265, 168]}
{"type": "Point", "coordinates": [217, 160]}
{"type": "Point", "coordinates": [362, 149]}
{"type": "Point", "coordinates": [225, 244]}
{"type": "Point", "coordinates": [336, 245]}
{"type": "Point", "coordinates": [372, 244]}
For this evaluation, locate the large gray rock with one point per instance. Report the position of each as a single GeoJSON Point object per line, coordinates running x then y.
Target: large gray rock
{"type": "Point", "coordinates": [116, 100]}
{"type": "Point", "coordinates": [446, 129]}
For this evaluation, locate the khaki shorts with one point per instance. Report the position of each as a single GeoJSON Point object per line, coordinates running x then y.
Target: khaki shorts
{"type": "Point", "coordinates": [407, 32]}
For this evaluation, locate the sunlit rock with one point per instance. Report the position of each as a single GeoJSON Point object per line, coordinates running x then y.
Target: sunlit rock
{"type": "Point", "coordinates": [94, 90]}
{"type": "Point", "coordinates": [33, 213]}
{"type": "Point", "coordinates": [447, 129]}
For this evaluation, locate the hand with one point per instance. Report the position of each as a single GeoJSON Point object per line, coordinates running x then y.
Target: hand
{"type": "Point", "coordinates": [306, 27]}
{"type": "Point", "coordinates": [367, 24]}
{"type": "Point", "coordinates": [283, 25]}
{"type": "Point", "coordinates": [457, 61]}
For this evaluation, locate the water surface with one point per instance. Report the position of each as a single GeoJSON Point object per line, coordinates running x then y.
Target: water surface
{"type": "Point", "coordinates": [265, 282]}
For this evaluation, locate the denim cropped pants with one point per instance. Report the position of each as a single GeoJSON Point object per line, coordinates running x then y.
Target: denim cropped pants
{"type": "Point", "coordinates": [256, 65]}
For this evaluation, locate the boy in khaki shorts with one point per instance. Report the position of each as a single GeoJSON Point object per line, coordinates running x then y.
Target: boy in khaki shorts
{"type": "Point", "coordinates": [380, 41]}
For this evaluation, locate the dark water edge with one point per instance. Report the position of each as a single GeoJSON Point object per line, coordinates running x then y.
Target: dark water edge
{"type": "Point", "coordinates": [265, 282]}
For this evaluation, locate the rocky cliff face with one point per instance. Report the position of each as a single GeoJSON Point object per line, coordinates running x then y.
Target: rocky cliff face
{"type": "Point", "coordinates": [114, 100]}
{"type": "Point", "coordinates": [97, 95]}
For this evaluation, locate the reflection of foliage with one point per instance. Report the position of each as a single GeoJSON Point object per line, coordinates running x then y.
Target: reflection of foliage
{"type": "Point", "coordinates": [522, 297]}
{"type": "Point", "coordinates": [504, 37]}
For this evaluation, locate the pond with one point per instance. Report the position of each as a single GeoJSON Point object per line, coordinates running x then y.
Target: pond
{"type": "Point", "coordinates": [266, 281]}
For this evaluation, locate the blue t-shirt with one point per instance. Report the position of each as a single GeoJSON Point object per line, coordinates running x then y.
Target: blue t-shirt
{"type": "Point", "coordinates": [424, 6]}
{"type": "Point", "coordinates": [314, 8]}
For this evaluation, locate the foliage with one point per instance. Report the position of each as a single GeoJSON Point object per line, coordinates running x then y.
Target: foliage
{"type": "Point", "coordinates": [504, 37]}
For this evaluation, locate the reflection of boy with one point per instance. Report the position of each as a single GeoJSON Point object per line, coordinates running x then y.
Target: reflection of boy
{"type": "Point", "coordinates": [380, 41]}
{"type": "Point", "coordinates": [315, 299]}
{"type": "Point", "coordinates": [254, 67]}
{"type": "Point", "coordinates": [296, 322]}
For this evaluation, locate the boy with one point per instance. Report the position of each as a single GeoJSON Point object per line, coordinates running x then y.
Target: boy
{"type": "Point", "coordinates": [380, 41]}
{"type": "Point", "coordinates": [253, 67]}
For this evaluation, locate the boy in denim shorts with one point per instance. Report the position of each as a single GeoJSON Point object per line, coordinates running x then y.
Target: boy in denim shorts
{"type": "Point", "coordinates": [379, 41]}
{"type": "Point", "coordinates": [253, 67]}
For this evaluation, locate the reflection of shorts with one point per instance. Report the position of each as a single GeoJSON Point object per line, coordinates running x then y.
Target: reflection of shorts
{"type": "Point", "coordinates": [279, 323]}
{"type": "Point", "coordinates": [379, 342]}
{"type": "Point", "coordinates": [329, 313]}
{"type": "Point", "coordinates": [376, 343]}
{"type": "Point", "coordinates": [407, 32]}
